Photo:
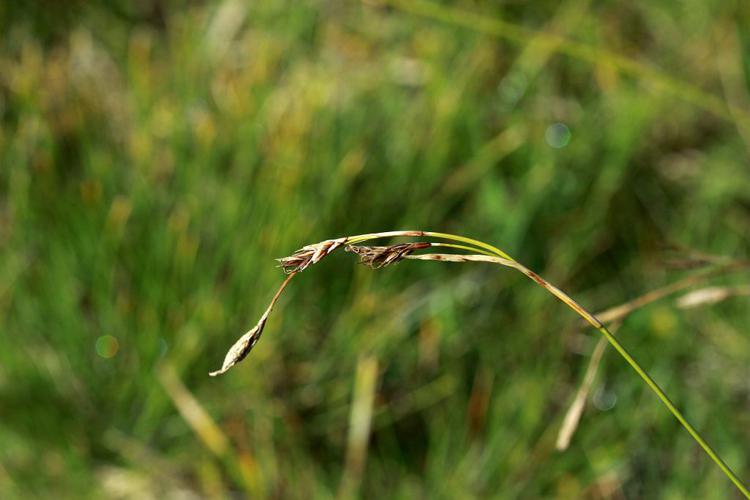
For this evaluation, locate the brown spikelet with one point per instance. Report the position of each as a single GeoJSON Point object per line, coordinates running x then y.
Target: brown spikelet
{"type": "Point", "coordinates": [310, 254]}
{"type": "Point", "coordinates": [377, 257]}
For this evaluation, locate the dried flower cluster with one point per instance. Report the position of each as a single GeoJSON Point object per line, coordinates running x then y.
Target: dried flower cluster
{"type": "Point", "coordinates": [300, 260]}
{"type": "Point", "coordinates": [374, 257]}
{"type": "Point", "coordinates": [310, 254]}
{"type": "Point", "coordinates": [377, 257]}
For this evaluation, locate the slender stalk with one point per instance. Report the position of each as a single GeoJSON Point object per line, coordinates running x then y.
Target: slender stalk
{"type": "Point", "coordinates": [470, 241]}
{"type": "Point", "coordinates": [614, 316]}
{"type": "Point", "coordinates": [504, 260]}
{"type": "Point", "coordinates": [672, 408]}
{"type": "Point", "coordinates": [461, 247]}
{"type": "Point", "coordinates": [361, 238]}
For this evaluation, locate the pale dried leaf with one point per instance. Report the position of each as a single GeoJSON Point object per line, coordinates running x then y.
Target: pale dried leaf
{"type": "Point", "coordinates": [241, 348]}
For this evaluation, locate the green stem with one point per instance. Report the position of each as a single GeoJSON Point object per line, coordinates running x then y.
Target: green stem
{"type": "Point", "coordinates": [485, 247]}
{"type": "Point", "coordinates": [463, 247]}
{"type": "Point", "coordinates": [581, 311]}
{"type": "Point", "coordinates": [672, 408]}
{"type": "Point", "coordinates": [476, 245]}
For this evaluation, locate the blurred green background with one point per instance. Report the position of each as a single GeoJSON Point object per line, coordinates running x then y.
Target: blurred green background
{"type": "Point", "coordinates": [155, 156]}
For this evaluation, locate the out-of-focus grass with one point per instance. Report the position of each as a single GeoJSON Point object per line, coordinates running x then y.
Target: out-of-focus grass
{"type": "Point", "coordinates": [154, 159]}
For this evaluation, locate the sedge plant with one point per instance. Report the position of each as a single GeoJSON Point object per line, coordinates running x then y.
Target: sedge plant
{"type": "Point", "coordinates": [462, 249]}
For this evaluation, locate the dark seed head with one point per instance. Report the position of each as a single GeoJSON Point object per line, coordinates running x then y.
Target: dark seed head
{"type": "Point", "coordinates": [310, 254]}
{"type": "Point", "coordinates": [377, 257]}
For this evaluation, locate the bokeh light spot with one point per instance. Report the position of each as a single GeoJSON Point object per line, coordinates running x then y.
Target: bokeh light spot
{"type": "Point", "coordinates": [557, 135]}
{"type": "Point", "coordinates": [604, 400]}
{"type": "Point", "coordinates": [107, 346]}
{"type": "Point", "coordinates": [163, 347]}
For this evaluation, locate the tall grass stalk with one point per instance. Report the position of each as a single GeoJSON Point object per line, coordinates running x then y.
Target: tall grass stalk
{"type": "Point", "coordinates": [482, 252]}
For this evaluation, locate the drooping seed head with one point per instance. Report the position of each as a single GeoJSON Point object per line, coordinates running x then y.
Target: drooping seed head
{"type": "Point", "coordinates": [377, 257]}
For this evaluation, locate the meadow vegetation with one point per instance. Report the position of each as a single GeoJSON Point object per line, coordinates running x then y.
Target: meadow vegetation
{"type": "Point", "coordinates": [156, 156]}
